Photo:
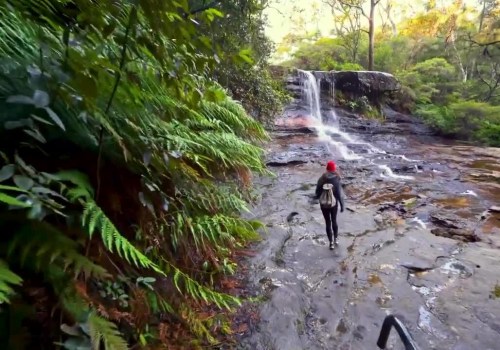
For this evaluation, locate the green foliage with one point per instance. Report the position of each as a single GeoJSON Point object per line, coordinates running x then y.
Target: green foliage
{"type": "Point", "coordinates": [122, 156]}
{"type": "Point", "coordinates": [93, 218]}
{"type": "Point", "coordinates": [431, 81]}
{"type": "Point", "coordinates": [391, 53]}
{"type": "Point", "coordinates": [466, 120]}
{"type": "Point", "coordinates": [102, 330]}
{"type": "Point", "coordinates": [496, 291]}
{"type": "Point", "coordinates": [362, 105]}
{"type": "Point", "coordinates": [240, 36]}
{"type": "Point", "coordinates": [114, 291]}
{"type": "Point", "coordinates": [90, 333]}
{"type": "Point", "coordinates": [323, 54]}
{"type": "Point", "coordinates": [38, 244]}
{"type": "Point", "coordinates": [7, 280]}
{"type": "Point", "coordinates": [261, 95]}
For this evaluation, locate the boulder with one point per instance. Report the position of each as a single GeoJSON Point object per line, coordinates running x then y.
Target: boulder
{"type": "Point", "coordinates": [447, 222]}
{"type": "Point", "coordinates": [360, 83]}
{"type": "Point", "coordinates": [285, 158]}
{"type": "Point", "coordinates": [365, 82]}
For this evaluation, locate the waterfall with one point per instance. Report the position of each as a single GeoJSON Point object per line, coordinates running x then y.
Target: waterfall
{"type": "Point", "coordinates": [311, 89]}
{"type": "Point", "coordinates": [311, 94]}
{"type": "Point", "coordinates": [331, 134]}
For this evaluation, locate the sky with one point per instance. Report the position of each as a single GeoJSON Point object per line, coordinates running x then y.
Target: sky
{"type": "Point", "coordinates": [284, 15]}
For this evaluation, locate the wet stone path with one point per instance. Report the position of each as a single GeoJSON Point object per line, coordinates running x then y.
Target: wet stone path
{"type": "Point", "coordinates": [386, 263]}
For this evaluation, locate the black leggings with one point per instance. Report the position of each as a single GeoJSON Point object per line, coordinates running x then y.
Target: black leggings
{"type": "Point", "coordinates": [330, 215]}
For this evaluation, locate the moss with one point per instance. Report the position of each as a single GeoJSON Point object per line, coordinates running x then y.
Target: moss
{"type": "Point", "coordinates": [496, 291]}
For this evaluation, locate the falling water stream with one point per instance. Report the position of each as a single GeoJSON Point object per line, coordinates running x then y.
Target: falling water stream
{"type": "Point", "coordinates": [329, 133]}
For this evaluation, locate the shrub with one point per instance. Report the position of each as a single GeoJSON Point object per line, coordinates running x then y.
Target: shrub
{"type": "Point", "coordinates": [431, 81]}
{"type": "Point", "coordinates": [261, 95]}
{"type": "Point", "coordinates": [467, 120]}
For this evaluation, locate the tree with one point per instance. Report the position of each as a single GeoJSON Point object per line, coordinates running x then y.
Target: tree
{"type": "Point", "coordinates": [359, 5]}
{"type": "Point", "coordinates": [386, 14]}
{"type": "Point", "coordinates": [244, 51]}
{"type": "Point", "coordinates": [347, 22]}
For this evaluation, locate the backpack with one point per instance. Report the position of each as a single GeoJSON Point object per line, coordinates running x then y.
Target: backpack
{"type": "Point", "coordinates": [327, 199]}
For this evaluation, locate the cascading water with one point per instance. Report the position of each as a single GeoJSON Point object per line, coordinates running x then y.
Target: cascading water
{"type": "Point", "coordinates": [331, 134]}
{"type": "Point", "coordinates": [311, 89]}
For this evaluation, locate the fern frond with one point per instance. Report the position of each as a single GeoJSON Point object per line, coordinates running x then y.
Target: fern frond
{"type": "Point", "coordinates": [233, 114]}
{"type": "Point", "coordinates": [188, 286]}
{"type": "Point", "coordinates": [40, 244]}
{"type": "Point", "coordinates": [102, 330]}
{"type": "Point", "coordinates": [81, 187]}
{"type": "Point", "coordinates": [93, 218]}
{"type": "Point", "coordinates": [197, 324]}
{"type": "Point", "coordinates": [7, 280]}
{"type": "Point", "coordinates": [207, 197]}
{"type": "Point", "coordinates": [218, 230]}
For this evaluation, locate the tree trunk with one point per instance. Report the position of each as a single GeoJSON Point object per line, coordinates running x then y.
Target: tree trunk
{"type": "Point", "coordinates": [481, 17]}
{"type": "Point", "coordinates": [371, 34]}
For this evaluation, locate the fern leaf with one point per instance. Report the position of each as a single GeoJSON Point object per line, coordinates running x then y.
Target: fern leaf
{"type": "Point", "coordinates": [46, 245]}
{"type": "Point", "coordinates": [195, 290]}
{"type": "Point", "coordinates": [81, 184]}
{"type": "Point", "coordinates": [102, 330]}
{"type": "Point", "coordinates": [7, 280]}
{"type": "Point", "coordinates": [94, 218]}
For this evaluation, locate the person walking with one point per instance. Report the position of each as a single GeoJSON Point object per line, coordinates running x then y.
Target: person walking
{"type": "Point", "coordinates": [329, 193]}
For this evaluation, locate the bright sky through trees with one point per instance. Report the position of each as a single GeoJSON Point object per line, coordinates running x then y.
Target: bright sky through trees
{"type": "Point", "coordinates": [293, 16]}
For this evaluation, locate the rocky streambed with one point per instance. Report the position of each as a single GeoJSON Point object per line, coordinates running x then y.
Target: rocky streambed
{"type": "Point", "coordinates": [420, 239]}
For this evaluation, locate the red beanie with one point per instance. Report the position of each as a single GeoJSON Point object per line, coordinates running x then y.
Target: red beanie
{"type": "Point", "coordinates": [330, 166]}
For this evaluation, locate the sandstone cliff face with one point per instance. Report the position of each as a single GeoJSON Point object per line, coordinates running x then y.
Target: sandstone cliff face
{"type": "Point", "coordinates": [353, 84]}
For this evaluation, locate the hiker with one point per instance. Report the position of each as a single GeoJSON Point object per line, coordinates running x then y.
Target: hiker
{"type": "Point", "coordinates": [329, 193]}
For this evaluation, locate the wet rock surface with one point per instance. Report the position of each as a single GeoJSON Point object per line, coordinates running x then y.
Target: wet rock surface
{"type": "Point", "coordinates": [365, 82]}
{"type": "Point", "coordinates": [357, 82]}
{"type": "Point", "coordinates": [425, 248]}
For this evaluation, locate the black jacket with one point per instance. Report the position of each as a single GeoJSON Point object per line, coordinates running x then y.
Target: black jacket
{"type": "Point", "coordinates": [334, 179]}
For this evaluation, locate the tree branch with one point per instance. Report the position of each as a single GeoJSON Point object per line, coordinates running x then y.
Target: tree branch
{"type": "Point", "coordinates": [203, 8]}
{"type": "Point", "coordinates": [494, 42]}
{"type": "Point", "coordinates": [360, 8]}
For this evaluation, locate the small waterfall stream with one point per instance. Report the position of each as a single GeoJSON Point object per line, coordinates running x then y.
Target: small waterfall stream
{"type": "Point", "coordinates": [331, 134]}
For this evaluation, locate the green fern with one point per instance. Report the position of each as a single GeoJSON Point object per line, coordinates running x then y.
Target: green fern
{"type": "Point", "coordinates": [93, 219]}
{"type": "Point", "coordinates": [205, 196]}
{"type": "Point", "coordinates": [195, 145]}
{"type": "Point", "coordinates": [187, 285]}
{"type": "Point", "coordinates": [105, 332]}
{"type": "Point", "coordinates": [7, 280]}
{"type": "Point", "coordinates": [8, 199]}
{"type": "Point", "coordinates": [197, 326]}
{"type": "Point", "coordinates": [80, 185]}
{"type": "Point", "coordinates": [39, 244]}
{"type": "Point", "coordinates": [216, 230]}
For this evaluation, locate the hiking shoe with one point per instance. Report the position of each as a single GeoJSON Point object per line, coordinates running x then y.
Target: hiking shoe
{"type": "Point", "coordinates": [331, 245]}
{"type": "Point", "coordinates": [336, 241]}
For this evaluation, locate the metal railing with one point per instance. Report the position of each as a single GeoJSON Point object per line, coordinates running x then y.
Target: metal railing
{"type": "Point", "coordinates": [405, 336]}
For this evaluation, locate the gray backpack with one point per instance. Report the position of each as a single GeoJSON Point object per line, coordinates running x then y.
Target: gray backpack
{"type": "Point", "coordinates": [327, 199]}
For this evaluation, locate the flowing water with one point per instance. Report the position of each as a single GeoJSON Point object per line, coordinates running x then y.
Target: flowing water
{"type": "Point", "coordinates": [332, 135]}
{"type": "Point", "coordinates": [416, 238]}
